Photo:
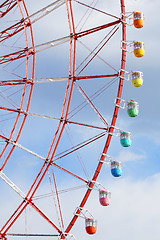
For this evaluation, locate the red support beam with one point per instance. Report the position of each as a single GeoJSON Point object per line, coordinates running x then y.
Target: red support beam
{"type": "Point", "coordinates": [31, 235]}
{"type": "Point", "coordinates": [15, 82]}
{"type": "Point", "coordinates": [8, 5]}
{"type": "Point", "coordinates": [24, 81]}
{"type": "Point", "coordinates": [16, 55]}
{"type": "Point", "coordinates": [13, 30]}
{"type": "Point", "coordinates": [82, 179]}
{"type": "Point", "coordinates": [93, 30]}
{"type": "Point", "coordinates": [96, 76]}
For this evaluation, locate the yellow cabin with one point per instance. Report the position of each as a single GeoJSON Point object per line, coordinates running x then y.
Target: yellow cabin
{"type": "Point", "coordinates": [137, 78]}
{"type": "Point", "coordinates": [138, 19]}
{"type": "Point", "coordinates": [139, 49]}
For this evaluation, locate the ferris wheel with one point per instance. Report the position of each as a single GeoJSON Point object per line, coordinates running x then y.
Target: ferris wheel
{"type": "Point", "coordinates": [60, 87]}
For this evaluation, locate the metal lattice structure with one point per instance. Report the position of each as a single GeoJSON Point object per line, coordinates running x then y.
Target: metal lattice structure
{"type": "Point", "coordinates": [18, 62]}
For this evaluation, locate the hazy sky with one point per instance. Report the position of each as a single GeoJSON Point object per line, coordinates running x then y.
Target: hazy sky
{"type": "Point", "coordinates": [134, 211]}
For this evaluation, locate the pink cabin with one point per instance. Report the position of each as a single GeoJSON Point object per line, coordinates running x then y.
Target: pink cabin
{"type": "Point", "coordinates": [104, 197]}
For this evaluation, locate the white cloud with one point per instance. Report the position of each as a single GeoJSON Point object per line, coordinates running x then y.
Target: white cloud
{"type": "Point", "coordinates": [127, 156]}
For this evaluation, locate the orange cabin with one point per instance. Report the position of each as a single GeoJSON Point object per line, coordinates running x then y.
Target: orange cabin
{"type": "Point", "coordinates": [91, 225]}
{"type": "Point", "coordinates": [138, 19]}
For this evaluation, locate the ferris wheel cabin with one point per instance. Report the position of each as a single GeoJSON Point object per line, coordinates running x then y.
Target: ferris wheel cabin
{"type": "Point", "coordinates": [116, 168]}
{"type": "Point", "coordinates": [139, 49]}
{"type": "Point", "coordinates": [104, 197]}
{"type": "Point", "coordinates": [132, 108]}
{"type": "Point", "coordinates": [138, 19]}
{"type": "Point", "coordinates": [91, 225]}
{"type": "Point", "coordinates": [125, 139]}
{"type": "Point", "coordinates": [137, 78]}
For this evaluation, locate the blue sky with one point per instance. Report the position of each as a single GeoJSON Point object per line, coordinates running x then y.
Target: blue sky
{"type": "Point", "coordinates": [134, 211]}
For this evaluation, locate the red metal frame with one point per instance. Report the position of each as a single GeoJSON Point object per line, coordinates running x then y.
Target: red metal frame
{"type": "Point", "coordinates": [91, 185]}
{"type": "Point", "coordinates": [9, 32]}
{"type": "Point", "coordinates": [5, 8]}
{"type": "Point", "coordinates": [26, 76]}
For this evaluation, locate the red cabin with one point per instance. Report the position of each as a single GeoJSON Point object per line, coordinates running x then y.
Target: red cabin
{"type": "Point", "coordinates": [91, 225]}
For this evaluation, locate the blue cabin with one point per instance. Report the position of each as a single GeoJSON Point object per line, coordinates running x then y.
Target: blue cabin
{"type": "Point", "coordinates": [125, 139]}
{"type": "Point", "coordinates": [116, 168]}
